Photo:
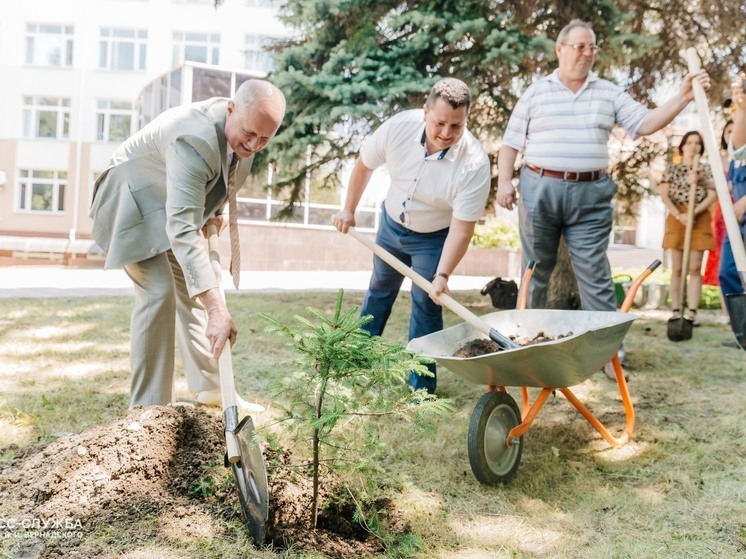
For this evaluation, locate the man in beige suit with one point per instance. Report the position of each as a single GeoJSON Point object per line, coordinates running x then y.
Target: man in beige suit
{"type": "Point", "coordinates": [165, 184]}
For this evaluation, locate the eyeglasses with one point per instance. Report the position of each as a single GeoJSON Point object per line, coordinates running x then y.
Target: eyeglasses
{"type": "Point", "coordinates": [404, 215]}
{"type": "Point", "coordinates": [582, 47]}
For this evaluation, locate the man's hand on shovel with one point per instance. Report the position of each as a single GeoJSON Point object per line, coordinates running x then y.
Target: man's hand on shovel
{"type": "Point", "coordinates": [220, 325]}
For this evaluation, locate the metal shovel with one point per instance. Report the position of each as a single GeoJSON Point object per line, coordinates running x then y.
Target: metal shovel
{"type": "Point", "coordinates": [736, 302]}
{"type": "Point", "coordinates": [242, 451]}
{"type": "Point", "coordinates": [503, 341]}
{"type": "Point", "coordinates": [680, 328]}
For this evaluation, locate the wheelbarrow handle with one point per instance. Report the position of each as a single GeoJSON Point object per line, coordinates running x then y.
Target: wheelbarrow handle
{"type": "Point", "coordinates": [444, 298]}
{"type": "Point", "coordinates": [225, 362]}
{"type": "Point", "coordinates": [632, 290]}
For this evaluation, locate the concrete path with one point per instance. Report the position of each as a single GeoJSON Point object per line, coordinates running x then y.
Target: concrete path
{"type": "Point", "coordinates": [59, 281]}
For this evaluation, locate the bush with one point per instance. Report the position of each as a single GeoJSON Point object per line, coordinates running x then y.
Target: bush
{"type": "Point", "coordinates": [496, 232]}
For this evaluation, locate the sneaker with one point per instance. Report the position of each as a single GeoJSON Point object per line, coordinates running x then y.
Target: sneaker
{"type": "Point", "coordinates": [215, 398]}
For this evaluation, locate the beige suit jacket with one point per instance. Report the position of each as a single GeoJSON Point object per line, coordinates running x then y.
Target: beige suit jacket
{"type": "Point", "coordinates": [161, 187]}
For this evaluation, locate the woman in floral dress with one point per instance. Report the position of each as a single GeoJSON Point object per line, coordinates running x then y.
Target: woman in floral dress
{"type": "Point", "coordinates": [674, 189]}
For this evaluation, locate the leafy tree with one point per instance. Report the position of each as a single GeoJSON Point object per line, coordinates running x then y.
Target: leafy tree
{"type": "Point", "coordinates": [353, 63]}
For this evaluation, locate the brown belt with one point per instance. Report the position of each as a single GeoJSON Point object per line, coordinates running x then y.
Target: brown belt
{"type": "Point", "coordinates": [571, 176]}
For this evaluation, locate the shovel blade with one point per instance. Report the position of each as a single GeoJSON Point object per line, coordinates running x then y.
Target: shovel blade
{"type": "Point", "coordinates": [736, 305]}
{"type": "Point", "coordinates": [251, 480]}
{"type": "Point", "coordinates": [680, 329]}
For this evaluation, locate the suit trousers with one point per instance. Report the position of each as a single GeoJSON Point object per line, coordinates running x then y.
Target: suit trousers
{"type": "Point", "coordinates": [165, 316]}
{"type": "Point", "coordinates": [581, 211]}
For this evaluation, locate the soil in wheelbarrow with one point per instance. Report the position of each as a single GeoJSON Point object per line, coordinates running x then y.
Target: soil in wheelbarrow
{"type": "Point", "coordinates": [159, 462]}
{"type": "Point", "coordinates": [478, 347]}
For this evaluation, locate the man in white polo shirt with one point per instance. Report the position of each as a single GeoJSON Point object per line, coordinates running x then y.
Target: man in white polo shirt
{"type": "Point", "coordinates": [440, 180]}
{"type": "Point", "coordinates": [562, 125]}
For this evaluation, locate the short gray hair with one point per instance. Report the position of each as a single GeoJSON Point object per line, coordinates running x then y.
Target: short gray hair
{"type": "Point", "coordinates": [254, 92]}
{"type": "Point", "coordinates": [562, 37]}
{"type": "Point", "coordinates": [454, 91]}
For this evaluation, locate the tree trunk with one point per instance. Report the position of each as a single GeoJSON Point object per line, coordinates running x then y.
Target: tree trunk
{"type": "Point", "coordinates": [563, 287]}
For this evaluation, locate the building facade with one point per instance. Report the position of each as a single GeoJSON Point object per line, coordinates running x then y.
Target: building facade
{"type": "Point", "coordinates": [80, 76]}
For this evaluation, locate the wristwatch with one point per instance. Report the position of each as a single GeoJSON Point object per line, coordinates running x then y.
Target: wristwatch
{"type": "Point", "coordinates": [443, 274]}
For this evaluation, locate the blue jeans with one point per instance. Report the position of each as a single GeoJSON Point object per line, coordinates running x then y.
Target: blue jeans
{"type": "Point", "coordinates": [730, 281]}
{"type": "Point", "coordinates": [422, 252]}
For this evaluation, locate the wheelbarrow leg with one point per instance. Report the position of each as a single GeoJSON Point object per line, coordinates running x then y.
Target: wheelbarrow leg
{"type": "Point", "coordinates": [629, 410]}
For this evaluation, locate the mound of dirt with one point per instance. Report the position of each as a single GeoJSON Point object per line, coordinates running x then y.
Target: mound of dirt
{"type": "Point", "coordinates": [152, 460]}
{"type": "Point", "coordinates": [482, 346]}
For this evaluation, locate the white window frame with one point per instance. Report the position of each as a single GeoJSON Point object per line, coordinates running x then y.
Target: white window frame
{"type": "Point", "coordinates": [29, 179]}
{"type": "Point", "coordinates": [34, 107]}
{"type": "Point", "coordinates": [49, 44]}
{"type": "Point", "coordinates": [184, 40]}
{"type": "Point", "coordinates": [113, 41]}
{"type": "Point", "coordinates": [108, 108]}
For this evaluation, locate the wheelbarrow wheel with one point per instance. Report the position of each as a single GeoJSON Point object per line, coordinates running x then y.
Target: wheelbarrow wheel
{"type": "Point", "coordinates": [492, 460]}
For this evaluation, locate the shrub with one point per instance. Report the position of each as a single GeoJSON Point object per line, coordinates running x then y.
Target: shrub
{"type": "Point", "coordinates": [496, 232]}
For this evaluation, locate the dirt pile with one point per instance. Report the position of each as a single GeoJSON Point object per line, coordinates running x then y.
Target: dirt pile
{"type": "Point", "coordinates": [482, 346]}
{"type": "Point", "coordinates": [153, 459]}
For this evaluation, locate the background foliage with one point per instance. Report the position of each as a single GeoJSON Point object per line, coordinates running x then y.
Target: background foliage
{"type": "Point", "coordinates": [353, 63]}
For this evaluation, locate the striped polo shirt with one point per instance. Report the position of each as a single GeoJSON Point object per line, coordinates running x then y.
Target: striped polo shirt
{"type": "Point", "coordinates": [565, 131]}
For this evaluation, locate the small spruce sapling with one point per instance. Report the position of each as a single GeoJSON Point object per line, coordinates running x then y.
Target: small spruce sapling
{"type": "Point", "coordinates": [346, 379]}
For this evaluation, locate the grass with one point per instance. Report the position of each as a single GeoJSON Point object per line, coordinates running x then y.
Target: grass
{"type": "Point", "coordinates": [675, 491]}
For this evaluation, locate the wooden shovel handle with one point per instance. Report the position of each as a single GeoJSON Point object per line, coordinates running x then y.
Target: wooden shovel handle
{"type": "Point", "coordinates": [718, 173]}
{"type": "Point", "coordinates": [448, 301]}
{"type": "Point", "coordinates": [225, 363]}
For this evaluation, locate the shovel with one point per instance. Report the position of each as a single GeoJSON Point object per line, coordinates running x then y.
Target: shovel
{"type": "Point", "coordinates": [736, 302]}
{"type": "Point", "coordinates": [680, 329]}
{"type": "Point", "coordinates": [464, 313]}
{"type": "Point", "coordinates": [242, 451]}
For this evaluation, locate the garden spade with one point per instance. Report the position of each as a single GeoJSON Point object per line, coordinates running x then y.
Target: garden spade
{"type": "Point", "coordinates": [501, 340]}
{"type": "Point", "coordinates": [680, 328]}
{"type": "Point", "coordinates": [736, 302]}
{"type": "Point", "coordinates": [242, 450]}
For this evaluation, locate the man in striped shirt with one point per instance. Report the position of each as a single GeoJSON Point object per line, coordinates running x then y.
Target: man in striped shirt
{"type": "Point", "coordinates": [562, 125]}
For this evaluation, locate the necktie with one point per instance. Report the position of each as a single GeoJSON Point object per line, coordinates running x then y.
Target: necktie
{"type": "Point", "coordinates": [233, 222]}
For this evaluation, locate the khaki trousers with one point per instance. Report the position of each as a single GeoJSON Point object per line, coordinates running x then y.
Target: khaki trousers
{"type": "Point", "coordinates": [166, 316]}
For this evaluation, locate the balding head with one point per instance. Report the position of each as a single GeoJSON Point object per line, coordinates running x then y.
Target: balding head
{"type": "Point", "coordinates": [259, 93]}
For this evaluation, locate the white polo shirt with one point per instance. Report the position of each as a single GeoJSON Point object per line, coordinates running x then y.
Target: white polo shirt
{"type": "Point", "coordinates": [569, 131]}
{"type": "Point", "coordinates": [431, 188]}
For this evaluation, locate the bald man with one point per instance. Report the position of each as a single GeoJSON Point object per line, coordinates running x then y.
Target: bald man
{"type": "Point", "coordinates": [164, 185]}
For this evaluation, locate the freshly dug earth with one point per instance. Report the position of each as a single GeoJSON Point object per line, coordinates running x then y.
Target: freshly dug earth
{"type": "Point", "coordinates": [151, 461]}
{"type": "Point", "coordinates": [481, 346]}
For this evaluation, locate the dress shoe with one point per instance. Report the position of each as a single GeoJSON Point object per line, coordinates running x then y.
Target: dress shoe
{"type": "Point", "coordinates": [214, 398]}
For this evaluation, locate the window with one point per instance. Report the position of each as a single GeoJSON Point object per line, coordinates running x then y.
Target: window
{"type": "Point", "coordinates": [255, 57]}
{"type": "Point", "coordinates": [41, 191]}
{"type": "Point", "coordinates": [122, 49]}
{"type": "Point", "coordinates": [46, 117]}
{"type": "Point", "coordinates": [197, 47]}
{"type": "Point", "coordinates": [115, 120]}
{"type": "Point", "coordinates": [49, 44]}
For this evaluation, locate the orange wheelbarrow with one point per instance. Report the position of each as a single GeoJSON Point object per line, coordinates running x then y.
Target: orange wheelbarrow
{"type": "Point", "coordinates": [590, 339]}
